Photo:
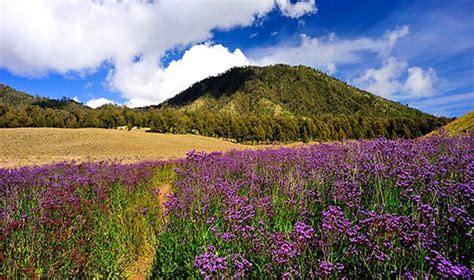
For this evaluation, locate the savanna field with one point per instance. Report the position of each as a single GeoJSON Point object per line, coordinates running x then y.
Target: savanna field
{"type": "Point", "coordinates": [354, 209]}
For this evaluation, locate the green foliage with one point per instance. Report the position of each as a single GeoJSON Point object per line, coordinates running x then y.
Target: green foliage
{"type": "Point", "coordinates": [297, 91]}
{"type": "Point", "coordinates": [251, 104]}
{"type": "Point", "coordinates": [103, 241]}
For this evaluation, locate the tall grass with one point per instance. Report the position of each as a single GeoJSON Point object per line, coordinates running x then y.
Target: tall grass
{"type": "Point", "coordinates": [367, 209]}
{"type": "Point", "coordinates": [87, 220]}
{"type": "Point", "coordinates": [362, 209]}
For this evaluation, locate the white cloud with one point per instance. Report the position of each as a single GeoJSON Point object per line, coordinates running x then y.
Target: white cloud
{"type": "Point", "coordinates": [75, 98]}
{"type": "Point", "coordinates": [253, 35]}
{"type": "Point", "coordinates": [393, 36]}
{"type": "Point", "coordinates": [327, 52]}
{"type": "Point", "coordinates": [79, 36]}
{"type": "Point", "coordinates": [456, 100]}
{"type": "Point", "coordinates": [74, 35]}
{"type": "Point", "coordinates": [383, 81]}
{"type": "Point", "coordinates": [95, 103]}
{"type": "Point", "coordinates": [142, 83]}
{"type": "Point", "coordinates": [420, 82]}
{"type": "Point", "coordinates": [298, 9]}
{"type": "Point", "coordinates": [445, 105]}
{"type": "Point", "coordinates": [388, 80]}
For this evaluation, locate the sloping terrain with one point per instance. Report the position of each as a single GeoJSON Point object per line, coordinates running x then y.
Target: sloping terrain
{"type": "Point", "coordinates": [461, 125]}
{"type": "Point", "coordinates": [282, 89]}
{"type": "Point", "coordinates": [251, 105]}
{"type": "Point", "coordinates": [28, 146]}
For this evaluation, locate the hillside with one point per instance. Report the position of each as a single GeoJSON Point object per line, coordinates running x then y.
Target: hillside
{"type": "Point", "coordinates": [285, 90]}
{"type": "Point", "coordinates": [9, 97]}
{"type": "Point", "coordinates": [283, 103]}
{"type": "Point", "coordinates": [19, 109]}
{"type": "Point", "coordinates": [460, 125]}
{"type": "Point", "coordinates": [255, 105]}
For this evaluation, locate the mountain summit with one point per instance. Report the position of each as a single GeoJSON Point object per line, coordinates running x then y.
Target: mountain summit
{"type": "Point", "coordinates": [278, 103]}
{"type": "Point", "coordinates": [285, 90]}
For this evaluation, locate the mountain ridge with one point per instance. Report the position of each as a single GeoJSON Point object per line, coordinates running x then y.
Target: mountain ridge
{"type": "Point", "coordinates": [269, 84]}
{"type": "Point", "coordinates": [278, 103]}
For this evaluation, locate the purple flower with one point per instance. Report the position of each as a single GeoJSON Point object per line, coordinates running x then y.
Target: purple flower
{"type": "Point", "coordinates": [281, 250]}
{"type": "Point", "coordinates": [241, 266]}
{"type": "Point", "coordinates": [303, 232]}
{"type": "Point", "coordinates": [334, 221]}
{"type": "Point", "coordinates": [209, 264]}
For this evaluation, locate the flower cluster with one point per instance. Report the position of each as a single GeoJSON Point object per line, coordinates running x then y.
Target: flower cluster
{"type": "Point", "coordinates": [57, 213]}
{"type": "Point", "coordinates": [359, 209]}
{"type": "Point", "coordinates": [209, 264]}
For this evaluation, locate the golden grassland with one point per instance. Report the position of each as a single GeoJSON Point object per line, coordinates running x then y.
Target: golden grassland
{"type": "Point", "coordinates": [461, 125]}
{"type": "Point", "coordinates": [36, 146]}
{"type": "Point", "coordinates": [29, 146]}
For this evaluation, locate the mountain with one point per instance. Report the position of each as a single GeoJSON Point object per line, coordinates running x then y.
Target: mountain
{"type": "Point", "coordinates": [9, 97]}
{"type": "Point", "coordinates": [19, 109]}
{"type": "Point", "coordinates": [278, 103]}
{"type": "Point", "coordinates": [285, 90]}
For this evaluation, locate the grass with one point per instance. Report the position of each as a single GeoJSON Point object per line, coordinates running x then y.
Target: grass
{"type": "Point", "coordinates": [461, 125]}
{"type": "Point", "coordinates": [31, 146]}
{"type": "Point", "coordinates": [248, 214]}
{"type": "Point", "coordinates": [110, 238]}
{"type": "Point", "coordinates": [363, 210]}
{"type": "Point", "coordinates": [37, 146]}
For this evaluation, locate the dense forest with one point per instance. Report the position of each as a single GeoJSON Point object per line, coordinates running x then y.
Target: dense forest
{"type": "Point", "coordinates": [271, 104]}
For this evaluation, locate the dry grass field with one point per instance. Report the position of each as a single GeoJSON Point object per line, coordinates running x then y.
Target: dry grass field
{"type": "Point", "coordinates": [32, 146]}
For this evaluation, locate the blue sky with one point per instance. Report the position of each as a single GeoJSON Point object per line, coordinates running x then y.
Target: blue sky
{"type": "Point", "coordinates": [137, 53]}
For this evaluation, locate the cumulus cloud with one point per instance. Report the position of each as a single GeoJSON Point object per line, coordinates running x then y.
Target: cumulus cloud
{"type": "Point", "coordinates": [298, 9]}
{"type": "Point", "coordinates": [329, 51]}
{"type": "Point", "coordinates": [395, 80]}
{"type": "Point", "coordinates": [75, 98]}
{"type": "Point", "coordinates": [95, 103]}
{"type": "Point", "coordinates": [420, 82]}
{"type": "Point", "coordinates": [142, 83]}
{"type": "Point", "coordinates": [383, 81]}
{"type": "Point", "coordinates": [79, 36]}
{"type": "Point", "coordinates": [74, 35]}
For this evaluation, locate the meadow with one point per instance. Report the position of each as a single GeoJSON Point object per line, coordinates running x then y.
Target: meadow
{"type": "Point", "coordinates": [30, 146]}
{"type": "Point", "coordinates": [359, 209]}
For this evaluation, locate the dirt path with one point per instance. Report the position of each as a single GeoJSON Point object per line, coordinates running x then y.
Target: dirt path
{"type": "Point", "coordinates": [144, 263]}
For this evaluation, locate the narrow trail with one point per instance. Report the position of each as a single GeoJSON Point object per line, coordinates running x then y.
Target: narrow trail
{"type": "Point", "coordinates": [165, 190]}
{"type": "Point", "coordinates": [144, 263]}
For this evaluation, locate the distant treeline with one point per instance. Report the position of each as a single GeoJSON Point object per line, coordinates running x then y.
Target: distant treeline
{"type": "Point", "coordinates": [242, 129]}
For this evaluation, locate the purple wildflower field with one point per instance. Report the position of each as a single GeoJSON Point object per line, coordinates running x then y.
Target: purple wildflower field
{"type": "Point", "coordinates": [75, 220]}
{"type": "Point", "coordinates": [365, 209]}
{"type": "Point", "coordinates": [354, 209]}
